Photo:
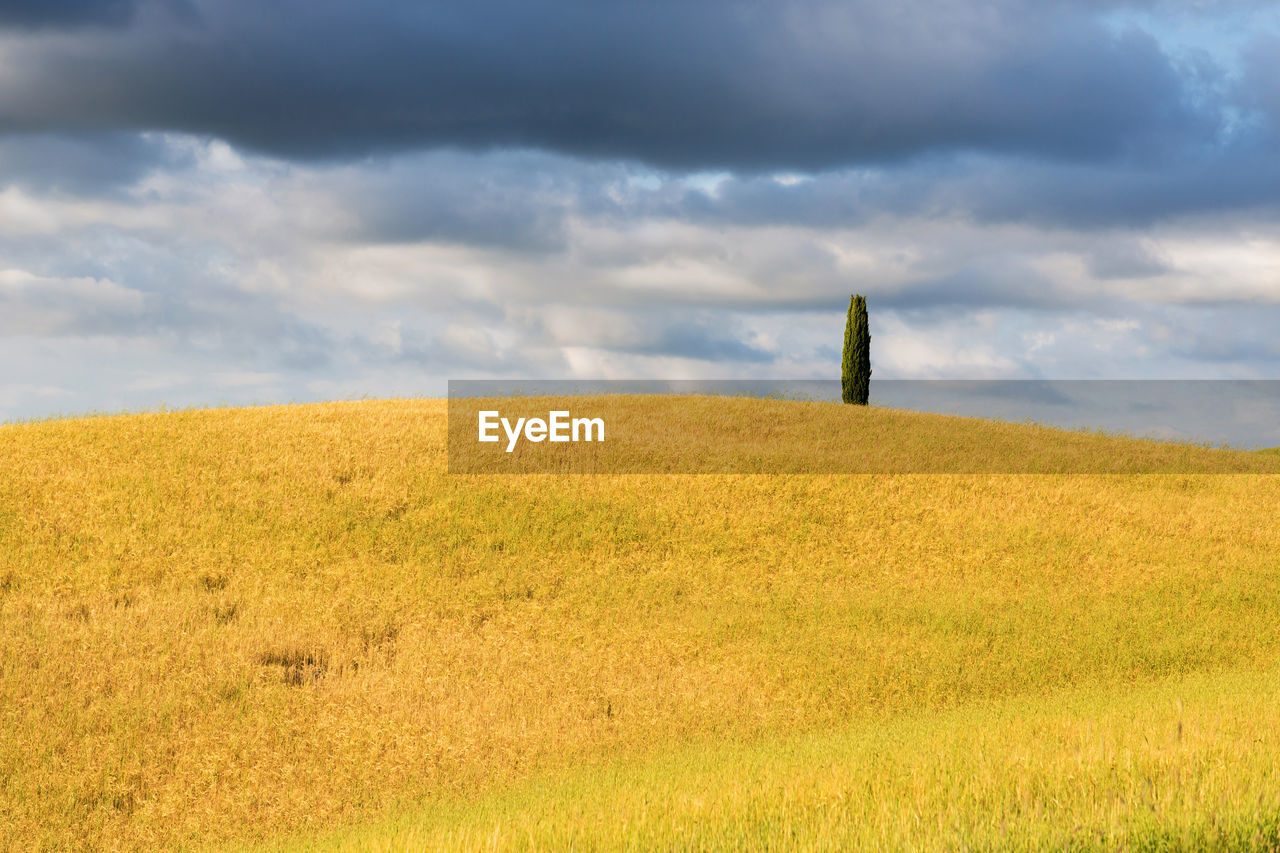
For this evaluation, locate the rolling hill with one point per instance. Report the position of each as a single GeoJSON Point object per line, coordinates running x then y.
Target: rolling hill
{"type": "Point", "coordinates": [288, 628]}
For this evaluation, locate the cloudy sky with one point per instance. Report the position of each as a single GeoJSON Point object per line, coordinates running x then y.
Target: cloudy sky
{"type": "Point", "coordinates": [219, 201]}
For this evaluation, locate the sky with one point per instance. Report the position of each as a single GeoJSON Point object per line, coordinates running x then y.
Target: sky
{"type": "Point", "coordinates": [249, 201]}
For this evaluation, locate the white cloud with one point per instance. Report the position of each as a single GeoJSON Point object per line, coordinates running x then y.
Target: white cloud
{"type": "Point", "coordinates": [32, 305]}
{"type": "Point", "coordinates": [230, 275]}
{"type": "Point", "coordinates": [902, 352]}
{"type": "Point", "coordinates": [244, 379]}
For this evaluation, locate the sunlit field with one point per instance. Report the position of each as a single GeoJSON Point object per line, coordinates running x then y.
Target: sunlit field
{"type": "Point", "coordinates": [289, 627]}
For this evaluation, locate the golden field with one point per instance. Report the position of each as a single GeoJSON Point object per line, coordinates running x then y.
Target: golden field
{"type": "Point", "coordinates": [289, 627]}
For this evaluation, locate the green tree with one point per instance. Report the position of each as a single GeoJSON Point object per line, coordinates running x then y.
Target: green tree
{"type": "Point", "coordinates": [855, 367]}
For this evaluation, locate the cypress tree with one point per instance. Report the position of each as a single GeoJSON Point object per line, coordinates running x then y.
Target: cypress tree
{"type": "Point", "coordinates": [855, 367]}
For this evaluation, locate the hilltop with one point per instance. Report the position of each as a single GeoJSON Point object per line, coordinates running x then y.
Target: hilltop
{"type": "Point", "coordinates": [289, 626]}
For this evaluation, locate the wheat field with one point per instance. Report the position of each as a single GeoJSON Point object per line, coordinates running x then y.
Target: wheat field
{"type": "Point", "coordinates": [289, 628]}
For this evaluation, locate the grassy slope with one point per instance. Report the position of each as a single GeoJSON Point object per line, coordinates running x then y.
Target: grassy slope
{"type": "Point", "coordinates": [1159, 767]}
{"type": "Point", "coordinates": [245, 624]}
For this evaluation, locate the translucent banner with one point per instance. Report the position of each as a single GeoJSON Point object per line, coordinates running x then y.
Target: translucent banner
{"type": "Point", "coordinates": [911, 426]}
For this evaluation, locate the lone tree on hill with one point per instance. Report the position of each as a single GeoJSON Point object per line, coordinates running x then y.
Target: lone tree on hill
{"type": "Point", "coordinates": [855, 367]}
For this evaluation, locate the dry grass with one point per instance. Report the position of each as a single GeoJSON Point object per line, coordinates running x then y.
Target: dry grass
{"type": "Point", "coordinates": [239, 625]}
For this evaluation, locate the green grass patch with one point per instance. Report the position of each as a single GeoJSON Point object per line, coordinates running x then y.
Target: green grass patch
{"type": "Point", "coordinates": [1147, 769]}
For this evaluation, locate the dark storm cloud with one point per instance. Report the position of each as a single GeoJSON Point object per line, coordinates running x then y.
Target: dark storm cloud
{"type": "Point", "coordinates": [518, 200]}
{"type": "Point", "coordinates": [65, 13]}
{"type": "Point", "coordinates": [1245, 175]}
{"type": "Point", "coordinates": [808, 84]}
